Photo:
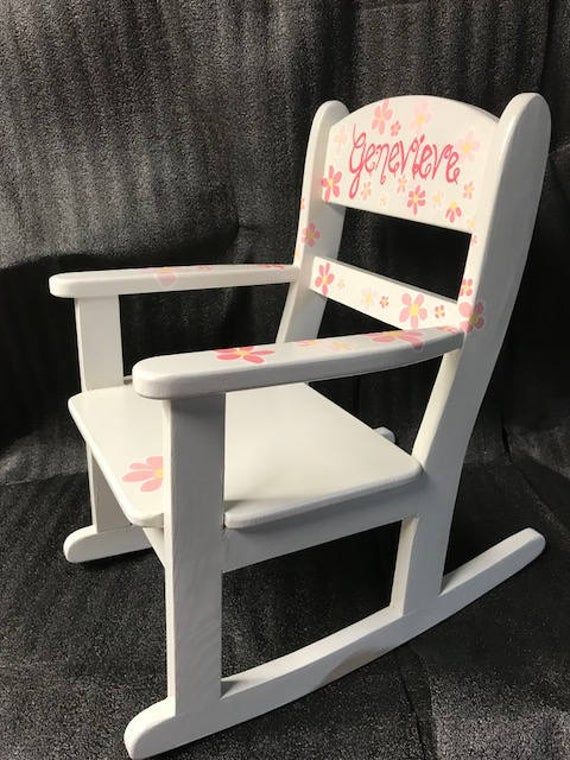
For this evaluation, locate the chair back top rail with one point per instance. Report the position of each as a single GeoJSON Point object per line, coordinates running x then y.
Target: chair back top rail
{"type": "Point", "coordinates": [413, 157]}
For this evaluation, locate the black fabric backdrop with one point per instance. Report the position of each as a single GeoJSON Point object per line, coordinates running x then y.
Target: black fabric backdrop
{"type": "Point", "coordinates": [133, 133]}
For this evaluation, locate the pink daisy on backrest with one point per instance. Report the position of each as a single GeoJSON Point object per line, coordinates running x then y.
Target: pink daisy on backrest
{"type": "Point", "coordinates": [150, 471]}
{"type": "Point", "coordinates": [474, 319]}
{"type": "Point", "coordinates": [330, 184]}
{"type": "Point", "coordinates": [413, 309]}
{"type": "Point", "coordinates": [311, 234]}
{"type": "Point", "coordinates": [416, 198]}
{"type": "Point", "coordinates": [453, 211]}
{"type": "Point", "coordinates": [324, 278]}
{"type": "Point", "coordinates": [382, 114]}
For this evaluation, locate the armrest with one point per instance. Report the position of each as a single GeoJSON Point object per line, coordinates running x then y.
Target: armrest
{"type": "Point", "coordinates": [115, 282]}
{"type": "Point", "coordinates": [232, 369]}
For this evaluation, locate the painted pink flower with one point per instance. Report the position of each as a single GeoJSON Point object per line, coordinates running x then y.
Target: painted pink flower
{"type": "Point", "coordinates": [474, 319]}
{"type": "Point", "coordinates": [150, 471]}
{"type": "Point", "coordinates": [415, 337]}
{"type": "Point", "coordinates": [272, 266]}
{"type": "Point", "coordinates": [448, 328]}
{"type": "Point", "coordinates": [466, 288]}
{"type": "Point", "coordinates": [401, 184]}
{"type": "Point", "coordinates": [453, 211]}
{"type": "Point", "coordinates": [366, 191]}
{"type": "Point", "coordinates": [247, 353]}
{"type": "Point", "coordinates": [382, 114]}
{"type": "Point", "coordinates": [413, 310]}
{"type": "Point", "coordinates": [324, 278]}
{"type": "Point", "coordinates": [165, 275]}
{"type": "Point", "coordinates": [311, 234]}
{"type": "Point", "coordinates": [467, 146]}
{"type": "Point", "coordinates": [330, 184]}
{"type": "Point", "coordinates": [468, 190]}
{"type": "Point", "coordinates": [384, 301]}
{"type": "Point", "coordinates": [340, 138]}
{"type": "Point", "coordinates": [307, 342]}
{"type": "Point", "coordinates": [421, 116]}
{"type": "Point", "coordinates": [395, 128]}
{"type": "Point", "coordinates": [439, 311]}
{"type": "Point", "coordinates": [416, 198]}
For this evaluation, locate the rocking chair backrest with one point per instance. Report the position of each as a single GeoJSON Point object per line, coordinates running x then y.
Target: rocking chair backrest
{"type": "Point", "coordinates": [443, 163]}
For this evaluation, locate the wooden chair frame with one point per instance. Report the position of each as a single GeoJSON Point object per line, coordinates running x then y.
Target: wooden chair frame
{"type": "Point", "coordinates": [191, 538]}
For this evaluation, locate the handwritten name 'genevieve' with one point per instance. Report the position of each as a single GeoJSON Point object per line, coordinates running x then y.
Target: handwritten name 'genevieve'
{"type": "Point", "coordinates": [425, 159]}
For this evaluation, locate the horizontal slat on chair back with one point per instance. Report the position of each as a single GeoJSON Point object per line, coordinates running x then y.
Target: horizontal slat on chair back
{"type": "Point", "coordinates": [413, 157]}
{"type": "Point", "coordinates": [380, 297]}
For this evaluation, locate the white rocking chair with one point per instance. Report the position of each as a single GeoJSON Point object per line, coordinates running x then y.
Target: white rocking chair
{"type": "Point", "coordinates": [221, 459]}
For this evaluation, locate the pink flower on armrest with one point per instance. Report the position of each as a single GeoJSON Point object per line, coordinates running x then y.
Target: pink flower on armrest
{"type": "Point", "coordinates": [414, 337]}
{"type": "Point", "coordinates": [150, 471]}
{"type": "Point", "coordinates": [247, 353]}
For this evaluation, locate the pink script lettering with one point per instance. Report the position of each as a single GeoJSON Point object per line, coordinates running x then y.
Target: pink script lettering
{"type": "Point", "coordinates": [424, 159]}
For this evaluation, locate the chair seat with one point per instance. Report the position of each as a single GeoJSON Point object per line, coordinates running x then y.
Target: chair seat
{"type": "Point", "coordinates": [288, 450]}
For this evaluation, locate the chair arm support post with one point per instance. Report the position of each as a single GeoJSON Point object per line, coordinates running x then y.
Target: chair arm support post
{"type": "Point", "coordinates": [99, 345]}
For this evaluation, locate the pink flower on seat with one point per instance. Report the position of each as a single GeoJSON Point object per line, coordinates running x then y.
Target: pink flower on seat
{"type": "Point", "coordinates": [247, 353]}
{"type": "Point", "coordinates": [474, 319]}
{"type": "Point", "coordinates": [413, 310]}
{"type": "Point", "coordinates": [330, 184]}
{"type": "Point", "coordinates": [324, 278]}
{"type": "Point", "coordinates": [415, 337]}
{"type": "Point", "coordinates": [150, 471]}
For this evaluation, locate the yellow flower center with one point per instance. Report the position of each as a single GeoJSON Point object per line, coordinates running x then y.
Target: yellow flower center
{"type": "Point", "coordinates": [414, 310]}
{"type": "Point", "coordinates": [158, 473]}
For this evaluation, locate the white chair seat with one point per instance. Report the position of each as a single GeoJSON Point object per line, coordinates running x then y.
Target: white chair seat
{"type": "Point", "coordinates": [288, 450]}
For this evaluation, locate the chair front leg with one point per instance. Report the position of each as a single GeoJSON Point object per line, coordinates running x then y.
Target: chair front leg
{"type": "Point", "coordinates": [193, 433]}
{"type": "Point", "coordinates": [101, 365]}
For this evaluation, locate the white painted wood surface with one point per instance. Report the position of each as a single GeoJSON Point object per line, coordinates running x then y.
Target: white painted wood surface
{"type": "Point", "coordinates": [419, 158]}
{"type": "Point", "coordinates": [333, 455]}
{"type": "Point", "coordinates": [318, 233]}
{"type": "Point", "coordinates": [395, 303]}
{"type": "Point", "coordinates": [203, 372]}
{"type": "Point", "coordinates": [115, 282]}
{"type": "Point", "coordinates": [422, 158]}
